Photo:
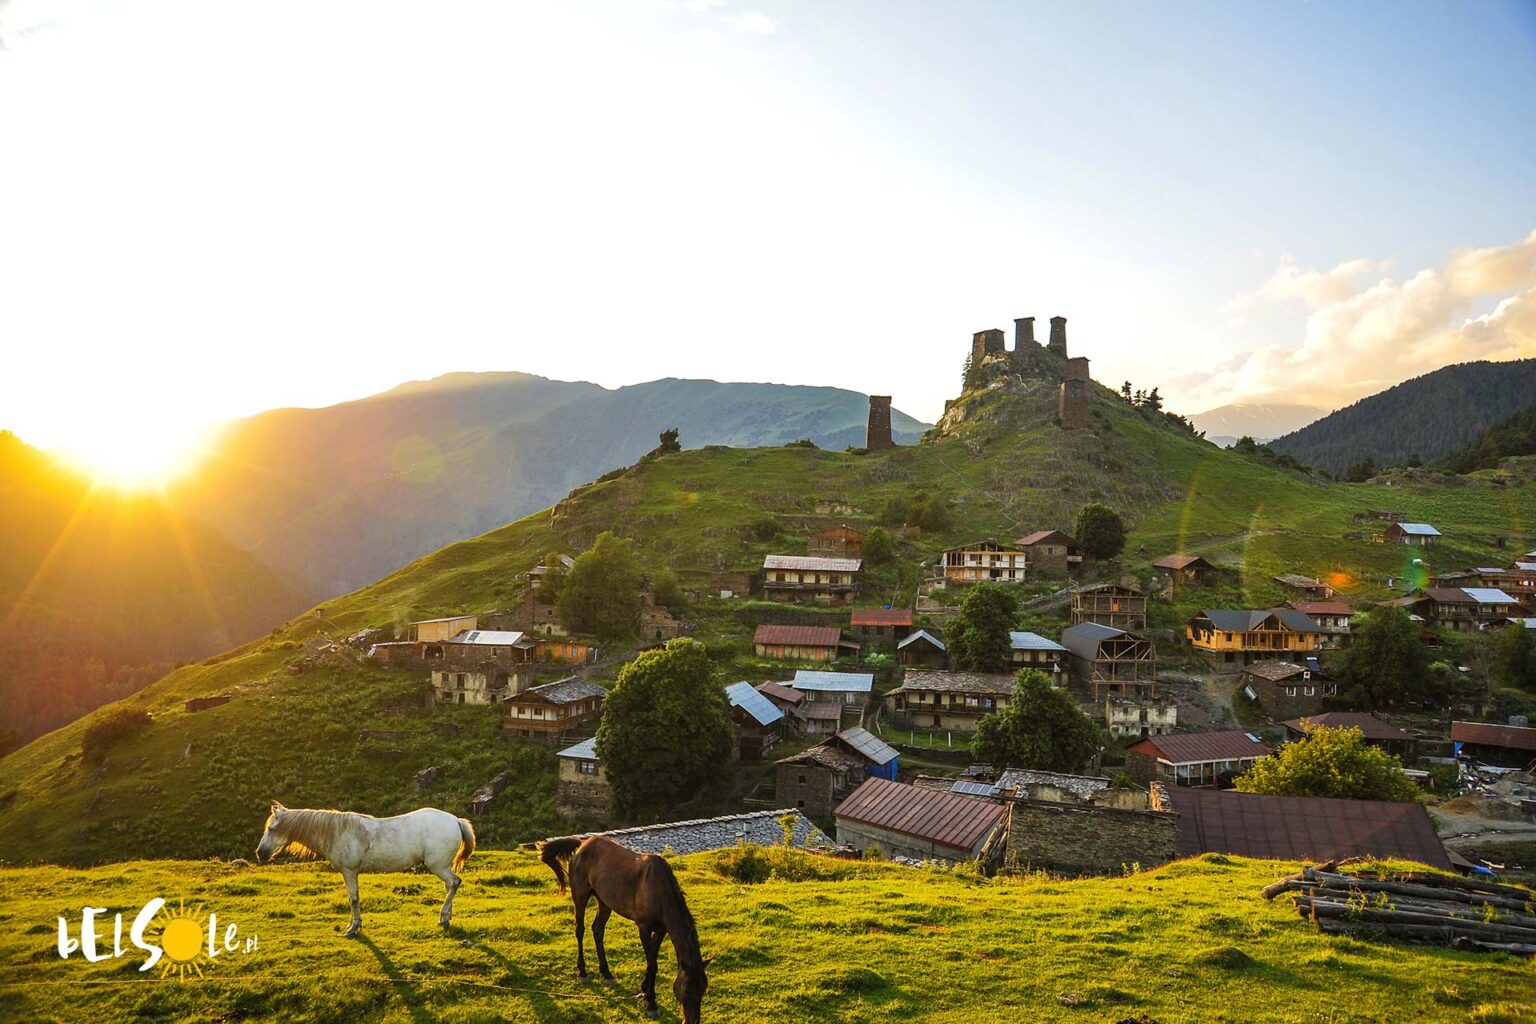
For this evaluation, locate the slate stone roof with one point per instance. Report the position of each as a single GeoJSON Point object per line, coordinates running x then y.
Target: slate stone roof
{"type": "Point", "coordinates": [1274, 671]}
{"type": "Point", "coordinates": [1081, 786]}
{"type": "Point", "coordinates": [702, 834]}
{"type": "Point", "coordinates": [824, 755]}
{"type": "Point", "coordinates": [562, 691]}
{"type": "Point", "coordinates": [812, 563]}
{"type": "Point", "coordinates": [937, 681]}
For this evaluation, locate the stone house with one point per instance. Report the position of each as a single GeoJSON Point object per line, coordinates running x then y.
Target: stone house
{"type": "Point", "coordinates": [1051, 552]}
{"type": "Point", "coordinates": [479, 666]}
{"type": "Point", "coordinates": [816, 780]}
{"type": "Point", "coordinates": [537, 573]}
{"type": "Point", "coordinates": [802, 643]}
{"type": "Point", "coordinates": [1183, 568]}
{"type": "Point", "coordinates": [1085, 839]}
{"type": "Point", "coordinates": [1245, 635]}
{"type": "Point", "coordinates": [759, 722]}
{"type": "Point", "coordinates": [1196, 759]}
{"type": "Point", "coordinates": [921, 649]}
{"type": "Point", "coordinates": [581, 788]}
{"type": "Point", "coordinates": [931, 699]}
{"type": "Point", "coordinates": [1287, 689]}
{"type": "Point", "coordinates": [1309, 588]}
{"type": "Point", "coordinates": [553, 711]}
{"type": "Point", "coordinates": [1110, 661]}
{"type": "Point", "coordinates": [1333, 617]}
{"type": "Point", "coordinates": [836, 542]}
{"type": "Point", "coordinates": [804, 579]}
{"type": "Point", "coordinates": [910, 821]}
{"type": "Point", "coordinates": [880, 627]}
{"type": "Point", "coordinates": [732, 584]}
{"type": "Point", "coordinates": [984, 561]}
{"type": "Point", "coordinates": [1126, 718]}
{"type": "Point", "coordinates": [1117, 605]}
{"type": "Point", "coordinates": [852, 689]}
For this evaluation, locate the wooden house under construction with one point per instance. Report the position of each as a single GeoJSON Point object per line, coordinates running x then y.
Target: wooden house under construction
{"type": "Point", "coordinates": [1116, 605]}
{"type": "Point", "coordinates": [1110, 660]}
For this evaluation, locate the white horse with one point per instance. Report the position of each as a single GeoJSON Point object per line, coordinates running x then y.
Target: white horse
{"type": "Point", "coordinates": [353, 843]}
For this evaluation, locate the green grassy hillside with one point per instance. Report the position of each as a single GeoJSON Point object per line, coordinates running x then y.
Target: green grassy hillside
{"type": "Point", "coordinates": [195, 785]}
{"type": "Point", "coordinates": [1189, 943]}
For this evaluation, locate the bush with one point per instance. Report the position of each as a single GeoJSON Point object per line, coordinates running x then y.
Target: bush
{"type": "Point", "coordinates": [111, 728]}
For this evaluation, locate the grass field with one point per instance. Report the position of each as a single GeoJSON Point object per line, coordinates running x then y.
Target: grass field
{"type": "Point", "coordinates": [1189, 943]}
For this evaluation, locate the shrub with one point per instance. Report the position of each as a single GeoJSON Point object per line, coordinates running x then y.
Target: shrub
{"type": "Point", "coordinates": [112, 727]}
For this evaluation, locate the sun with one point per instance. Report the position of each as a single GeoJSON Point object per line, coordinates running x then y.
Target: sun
{"type": "Point", "coordinates": [182, 941]}
{"type": "Point", "coordinates": [133, 453]}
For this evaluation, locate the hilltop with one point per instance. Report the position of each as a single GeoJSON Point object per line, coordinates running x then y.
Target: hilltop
{"type": "Point", "coordinates": [1430, 416]}
{"type": "Point", "coordinates": [342, 495]}
{"type": "Point", "coordinates": [197, 784]}
{"type": "Point", "coordinates": [1191, 942]}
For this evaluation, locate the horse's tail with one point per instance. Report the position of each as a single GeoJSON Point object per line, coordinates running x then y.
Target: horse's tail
{"type": "Point", "coordinates": [557, 854]}
{"type": "Point", "coordinates": [466, 843]}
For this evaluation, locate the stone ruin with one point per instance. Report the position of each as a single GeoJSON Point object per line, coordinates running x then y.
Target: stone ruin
{"type": "Point", "coordinates": [991, 361]}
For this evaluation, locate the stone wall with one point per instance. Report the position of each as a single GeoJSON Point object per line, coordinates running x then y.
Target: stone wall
{"type": "Point", "coordinates": [1141, 767]}
{"type": "Point", "coordinates": [811, 788]}
{"type": "Point", "coordinates": [877, 434]}
{"type": "Point", "coordinates": [576, 793]}
{"type": "Point", "coordinates": [1082, 839]}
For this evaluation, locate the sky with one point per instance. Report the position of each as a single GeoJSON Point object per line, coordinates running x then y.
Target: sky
{"type": "Point", "coordinates": [210, 209]}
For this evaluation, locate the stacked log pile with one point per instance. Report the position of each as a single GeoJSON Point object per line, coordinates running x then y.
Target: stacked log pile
{"type": "Point", "coordinates": [1465, 913]}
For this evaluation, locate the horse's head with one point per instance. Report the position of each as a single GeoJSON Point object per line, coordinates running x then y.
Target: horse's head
{"type": "Point", "coordinates": [275, 837]}
{"type": "Point", "coordinates": [689, 989]}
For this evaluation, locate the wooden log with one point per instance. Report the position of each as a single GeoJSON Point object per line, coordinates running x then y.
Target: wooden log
{"type": "Point", "coordinates": [1335, 927]}
{"type": "Point", "coordinates": [1449, 925]}
{"type": "Point", "coordinates": [1453, 911]}
{"type": "Point", "coordinates": [1414, 889]}
{"type": "Point", "coordinates": [1473, 884]}
{"type": "Point", "coordinates": [1276, 888]}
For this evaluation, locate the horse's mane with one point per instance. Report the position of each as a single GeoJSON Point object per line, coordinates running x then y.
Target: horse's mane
{"type": "Point", "coordinates": [685, 916]}
{"type": "Point", "coordinates": [308, 831]}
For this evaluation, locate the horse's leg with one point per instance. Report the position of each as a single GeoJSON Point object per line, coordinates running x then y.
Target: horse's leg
{"type": "Point", "coordinates": [579, 896]}
{"type": "Point", "coordinates": [600, 922]}
{"type": "Point", "coordinates": [650, 941]}
{"type": "Point", "coordinates": [350, 877]}
{"type": "Point", "coordinates": [451, 883]}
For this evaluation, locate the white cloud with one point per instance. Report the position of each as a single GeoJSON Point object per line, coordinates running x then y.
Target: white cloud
{"type": "Point", "coordinates": [753, 21]}
{"type": "Point", "coordinates": [1361, 339]}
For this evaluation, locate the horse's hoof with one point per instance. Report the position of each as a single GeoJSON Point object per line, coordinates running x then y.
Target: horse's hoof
{"type": "Point", "coordinates": [653, 1014]}
{"type": "Point", "coordinates": [583, 976]}
{"type": "Point", "coordinates": [609, 980]}
{"type": "Point", "coordinates": [351, 933]}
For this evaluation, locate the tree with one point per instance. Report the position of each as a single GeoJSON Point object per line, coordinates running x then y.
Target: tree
{"type": "Point", "coordinates": [1361, 471]}
{"type": "Point", "coordinates": [1099, 529]}
{"type": "Point", "coordinates": [602, 593]}
{"type": "Point", "coordinates": [1153, 401]}
{"type": "Point", "coordinates": [1514, 659]}
{"type": "Point", "coordinates": [667, 592]}
{"type": "Point", "coordinates": [669, 444]}
{"type": "Point", "coordinates": [1386, 662]}
{"type": "Point", "coordinates": [552, 583]}
{"type": "Point", "coordinates": [110, 728]}
{"type": "Point", "coordinates": [665, 729]}
{"type": "Point", "coordinates": [1040, 728]}
{"type": "Point", "coordinates": [1125, 391]}
{"type": "Point", "coordinates": [978, 634]}
{"type": "Point", "coordinates": [878, 549]}
{"type": "Point", "coordinates": [1329, 762]}
{"type": "Point", "coordinates": [931, 513]}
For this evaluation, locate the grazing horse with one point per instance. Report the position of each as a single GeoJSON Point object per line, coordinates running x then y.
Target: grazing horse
{"type": "Point", "coordinates": [354, 843]}
{"type": "Point", "coordinates": [642, 888]}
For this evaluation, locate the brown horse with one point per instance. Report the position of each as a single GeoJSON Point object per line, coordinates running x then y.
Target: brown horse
{"type": "Point", "coordinates": [642, 888]}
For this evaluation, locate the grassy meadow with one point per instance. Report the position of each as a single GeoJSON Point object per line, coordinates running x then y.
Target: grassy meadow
{"type": "Point", "coordinates": [1192, 942]}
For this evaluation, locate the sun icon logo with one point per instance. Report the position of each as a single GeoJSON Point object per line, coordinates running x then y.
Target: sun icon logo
{"type": "Point", "coordinates": [182, 940]}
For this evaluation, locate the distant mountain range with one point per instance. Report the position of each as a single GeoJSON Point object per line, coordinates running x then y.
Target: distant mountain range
{"type": "Point", "coordinates": [344, 495]}
{"type": "Point", "coordinates": [1429, 416]}
{"type": "Point", "coordinates": [101, 593]}
{"type": "Point", "coordinates": [1260, 421]}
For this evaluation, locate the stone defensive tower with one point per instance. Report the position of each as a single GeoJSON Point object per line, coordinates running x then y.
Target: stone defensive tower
{"type": "Point", "coordinates": [1058, 342]}
{"type": "Point", "coordinates": [877, 435]}
{"type": "Point", "coordinates": [986, 343]}
{"type": "Point", "coordinates": [1072, 408]}
{"type": "Point", "coordinates": [1024, 333]}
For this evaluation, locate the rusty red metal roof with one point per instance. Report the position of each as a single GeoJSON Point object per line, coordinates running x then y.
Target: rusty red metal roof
{"type": "Point", "coordinates": [1040, 536]}
{"type": "Point", "coordinates": [1303, 827]}
{"type": "Point", "coordinates": [1484, 734]}
{"type": "Point", "coordinates": [1373, 727]}
{"type": "Point", "coordinates": [946, 819]}
{"type": "Point", "coordinates": [881, 617]}
{"type": "Point", "coordinates": [780, 692]}
{"type": "Point", "coordinates": [1196, 747]}
{"type": "Point", "coordinates": [798, 636]}
{"type": "Point", "coordinates": [1180, 562]}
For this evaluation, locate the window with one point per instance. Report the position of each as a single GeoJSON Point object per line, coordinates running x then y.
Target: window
{"type": "Point", "coordinates": [801, 780]}
{"type": "Point", "coordinates": [587, 767]}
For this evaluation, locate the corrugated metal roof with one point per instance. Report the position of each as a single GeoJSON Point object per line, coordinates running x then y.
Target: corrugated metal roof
{"type": "Point", "coordinates": [1419, 529]}
{"type": "Point", "coordinates": [779, 691]}
{"type": "Point", "coordinates": [1023, 641]}
{"type": "Point", "coordinates": [965, 787]}
{"type": "Point", "coordinates": [868, 745]}
{"type": "Point", "coordinates": [1489, 595]}
{"type": "Point", "coordinates": [445, 618]}
{"type": "Point", "coordinates": [1197, 747]}
{"type": "Point", "coordinates": [881, 617]}
{"type": "Point", "coordinates": [1083, 640]}
{"type": "Point", "coordinates": [821, 711]}
{"type": "Point", "coordinates": [1373, 727]}
{"type": "Point", "coordinates": [1180, 562]}
{"type": "Point", "coordinates": [1526, 566]}
{"type": "Point", "coordinates": [1488, 735]}
{"type": "Point", "coordinates": [586, 750]}
{"type": "Point", "coordinates": [1239, 620]}
{"type": "Point", "coordinates": [945, 819]}
{"type": "Point", "coordinates": [488, 637]}
{"type": "Point", "coordinates": [798, 636]}
{"type": "Point", "coordinates": [812, 563]}
{"type": "Point", "coordinates": [744, 696]}
{"type": "Point", "coordinates": [922, 634]}
{"type": "Point", "coordinates": [1303, 828]}
{"type": "Point", "coordinates": [833, 682]}
{"type": "Point", "coordinates": [1041, 536]}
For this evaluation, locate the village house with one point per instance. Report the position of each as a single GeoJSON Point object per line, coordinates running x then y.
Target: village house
{"type": "Point", "coordinates": [931, 699]}
{"type": "Point", "coordinates": [1306, 586]}
{"type": "Point", "coordinates": [1301, 829]}
{"type": "Point", "coordinates": [985, 561]}
{"type": "Point", "coordinates": [784, 698]}
{"type": "Point", "coordinates": [1183, 568]}
{"type": "Point", "coordinates": [1195, 759]}
{"type": "Point", "coordinates": [1377, 733]}
{"type": "Point", "coordinates": [537, 573]}
{"type": "Point", "coordinates": [564, 650]}
{"type": "Point", "coordinates": [1518, 580]}
{"type": "Point", "coordinates": [481, 666]}
{"type": "Point", "coordinates": [1109, 660]}
{"type": "Point", "coordinates": [1127, 719]}
{"type": "Point", "coordinates": [819, 717]}
{"type": "Point", "coordinates": [802, 643]}
{"type": "Point", "coordinates": [816, 779]}
{"type": "Point", "coordinates": [1461, 609]}
{"type": "Point", "coordinates": [1051, 552]}
{"type": "Point", "coordinates": [806, 579]}
{"type": "Point", "coordinates": [1287, 689]}
{"type": "Point", "coordinates": [836, 542]}
{"type": "Point", "coordinates": [922, 650]}
{"type": "Point", "coordinates": [531, 615]}
{"type": "Point", "coordinates": [701, 835]}
{"type": "Point", "coordinates": [581, 788]}
{"type": "Point", "coordinates": [1507, 746]}
{"type": "Point", "coordinates": [727, 585]}
{"type": "Point", "coordinates": [922, 824]}
{"type": "Point", "coordinates": [1031, 650]}
{"type": "Point", "coordinates": [851, 688]}
{"type": "Point", "coordinates": [1078, 839]}
{"type": "Point", "coordinates": [1417, 534]}
{"type": "Point", "coordinates": [1118, 605]}
{"type": "Point", "coordinates": [759, 722]}
{"type": "Point", "coordinates": [1245, 635]}
{"type": "Point", "coordinates": [1332, 617]}
{"type": "Point", "coordinates": [552, 711]}
{"type": "Point", "coordinates": [880, 627]}
{"type": "Point", "coordinates": [1031, 784]}
{"type": "Point", "coordinates": [429, 631]}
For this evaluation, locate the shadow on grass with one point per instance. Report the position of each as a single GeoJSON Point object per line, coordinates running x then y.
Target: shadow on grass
{"type": "Point", "coordinates": [403, 986]}
{"type": "Point", "coordinates": [513, 976]}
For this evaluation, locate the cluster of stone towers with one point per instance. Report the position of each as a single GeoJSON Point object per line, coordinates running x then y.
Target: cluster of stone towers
{"type": "Point", "coordinates": [986, 344]}
{"type": "Point", "coordinates": [990, 358]}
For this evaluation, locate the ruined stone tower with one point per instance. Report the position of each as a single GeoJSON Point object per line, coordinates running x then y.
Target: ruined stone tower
{"type": "Point", "coordinates": [1058, 343]}
{"type": "Point", "coordinates": [877, 434]}
{"type": "Point", "coordinates": [1072, 408]}
{"type": "Point", "coordinates": [1023, 333]}
{"type": "Point", "coordinates": [986, 343]}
